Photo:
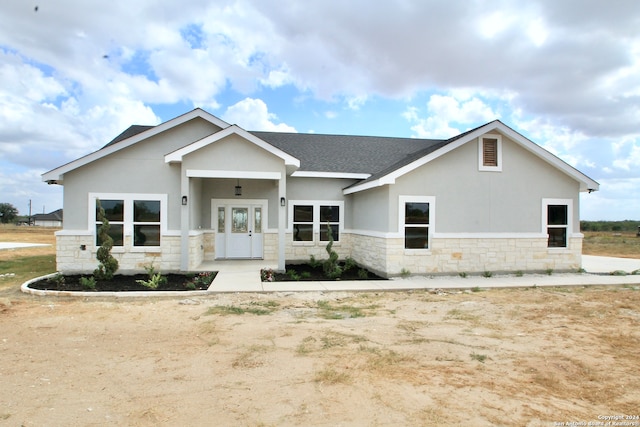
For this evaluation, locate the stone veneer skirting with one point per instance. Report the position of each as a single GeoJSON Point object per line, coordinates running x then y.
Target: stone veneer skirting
{"type": "Point", "coordinates": [385, 256]}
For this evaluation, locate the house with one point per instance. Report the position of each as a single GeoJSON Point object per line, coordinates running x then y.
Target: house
{"type": "Point", "coordinates": [52, 219]}
{"type": "Point", "coordinates": [196, 189]}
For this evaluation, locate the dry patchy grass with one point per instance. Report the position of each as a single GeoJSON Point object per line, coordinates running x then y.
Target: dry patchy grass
{"type": "Point", "coordinates": [601, 243]}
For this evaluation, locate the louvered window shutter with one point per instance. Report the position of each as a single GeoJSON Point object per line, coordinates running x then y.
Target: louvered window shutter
{"type": "Point", "coordinates": [490, 152]}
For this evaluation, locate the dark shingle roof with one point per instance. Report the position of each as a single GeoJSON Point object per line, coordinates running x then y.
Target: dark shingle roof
{"type": "Point", "coordinates": [132, 130]}
{"type": "Point", "coordinates": [347, 153]}
{"type": "Point", "coordinates": [51, 216]}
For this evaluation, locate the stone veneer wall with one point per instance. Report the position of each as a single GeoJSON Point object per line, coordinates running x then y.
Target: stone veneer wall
{"type": "Point", "coordinates": [297, 252]}
{"type": "Point", "coordinates": [70, 258]}
{"type": "Point", "coordinates": [470, 255]}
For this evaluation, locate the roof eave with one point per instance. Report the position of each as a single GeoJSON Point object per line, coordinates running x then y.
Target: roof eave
{"type": "Point", "coordinates": [58, 173]}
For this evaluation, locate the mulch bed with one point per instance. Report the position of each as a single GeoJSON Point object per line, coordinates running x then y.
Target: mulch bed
{"type": "Point", "coordinates": [306, 272]}
{"type": "Point", "coordinates": [123, 283]}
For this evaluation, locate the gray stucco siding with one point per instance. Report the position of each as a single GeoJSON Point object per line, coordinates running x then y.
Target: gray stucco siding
{"type": "Point", "coordinates": [233, 153]}
{"type": "Point", "coordinates": [372, 210]}
{"type": "Point", "coordinates": [473, 201]}
{"type": "Point", "coordinates": [319, 189]}
{"type": "Point", "coordinates": [139, 168]}
{"type": "Point", "coordinates": [118, 175]}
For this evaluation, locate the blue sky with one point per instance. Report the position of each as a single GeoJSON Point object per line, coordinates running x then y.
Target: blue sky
{"type": "Point", "coordinates": [566, 74]}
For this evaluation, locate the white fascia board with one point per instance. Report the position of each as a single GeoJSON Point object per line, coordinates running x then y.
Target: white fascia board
{"type": "Point", "coordinates": [197, 173]}
{"type": "Point", "coordinates": [56, 174]}
{"type": "Point", "coordinates": [177, 155]}
{"type": "Point", "coordinates": [586, 183]}
{"type": "Point", "coordinates": [362, 187]}
{"type": "Point", "coordinates": [345, 175]}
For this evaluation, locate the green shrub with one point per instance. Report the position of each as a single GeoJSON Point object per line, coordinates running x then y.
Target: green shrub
{"type": "Point", "coordinates": [108, 265]}
{"type": "Point", "coordinates": [487, 274]}
{"type": "Point", "coordinates": [155, 279]}
{"type": "Point", "coordinates": [349, 263]}
{"type": "Point", "coordinates": [293, 275]}
{"type": "Point", "coordinates": [313, 262]}
{"type": "Point", "coordinates": [363, 274]}
{"type": "Point", "coordinates": [58, 280]}
{"type": "Point", "coordinates": [330, 267]}
{"type": "Point", "coordinates": [88, 282]}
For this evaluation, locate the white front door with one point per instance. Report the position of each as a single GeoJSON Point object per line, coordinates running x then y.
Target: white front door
{"type": "Point", "coordinates": [239, 231]}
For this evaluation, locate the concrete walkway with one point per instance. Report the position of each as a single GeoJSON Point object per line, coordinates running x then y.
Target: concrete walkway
{"type": "Point", "coordinates": [244, 276]}
{"type": "Point", "coordinates": [14, 245]}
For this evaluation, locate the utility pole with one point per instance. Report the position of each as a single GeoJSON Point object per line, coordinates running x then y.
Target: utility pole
{"type": "Point", "coordinates": [29, 211]}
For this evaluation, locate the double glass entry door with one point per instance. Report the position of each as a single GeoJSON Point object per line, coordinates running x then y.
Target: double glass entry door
{"type": "Point", "coordinates": [239, 232]}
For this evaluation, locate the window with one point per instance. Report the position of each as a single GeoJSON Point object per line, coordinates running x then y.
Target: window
{"type": "Point", "coordinates": [146, 223]}
{"type": "Point", "coordinates": [257, 220]}
{"type": "Point", "coordinates": [416, 225]}
{"type": "Point", "coordinates": [311, 218]}
{"type": "Point", "coordinates": [303, 223]}
{"type": "Point", "coordinates": [221, 223]}
{"type": "Point", "coordinates": [140, 217]}
{"type": "Point", "coordinates": [114, 213]}
{"type": "Point", "coordinates": [557, 221]}
{"type": "Point", "coordinates": [416, 221]}
{"type": "Point", "coordinates": [490, 153]}
{"type": "Point", "coordinates": [329, 217]}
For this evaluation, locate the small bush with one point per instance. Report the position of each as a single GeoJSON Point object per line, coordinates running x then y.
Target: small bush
{"type": "Point", "coordinates": [155, 279]}
{"type": "Point", "coordinates": [293, 275]}
{"type": "Point", "coordinates": [549, 271]}
{"type": "Point", "coordinates": [404, 273]}
{"type": "Point", "coordinates": [313, 262]}
{"type": "Point", "coordinates": [363, 274]}
{"type": "Point", "coordinates": [108, 265]}
{"type": "Point", "coordinates": [462, 274]}
{"type": "Point", "coordinates": [58, 280]}
{"type": "Point", "coordinates": [88, 282]}
{"type": "Point", "coordinates": [349, 263]}
{"type": "Point", "coordinates": [519, 273]}
{"type": "Point", "coordinates": [487, 274]}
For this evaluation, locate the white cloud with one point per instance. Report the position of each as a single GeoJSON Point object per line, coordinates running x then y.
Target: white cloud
{"type": "Point", "coordinates": [567, 73]}
{"type": "Point", "coordinates": [448, 116]}
{"type": "Point", "coordinates": [253, 114]}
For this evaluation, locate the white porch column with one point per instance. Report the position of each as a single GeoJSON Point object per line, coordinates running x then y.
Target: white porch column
{"type": "Point", "coordinates": [282, 220]}
{"type": "Point", "coordinates": [184, 221]}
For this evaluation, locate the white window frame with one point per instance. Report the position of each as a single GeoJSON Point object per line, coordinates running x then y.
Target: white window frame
{"type": "Point", "coordinates": [481, 166]}
{"type": "Point", "coordinates": [316, 220]}
{"type": "Point", "coordinates": [402, 201]}
{"type": "Point", "coordinates": [545, 221]}
{"type": "Point", "coordinates": [128, 222]}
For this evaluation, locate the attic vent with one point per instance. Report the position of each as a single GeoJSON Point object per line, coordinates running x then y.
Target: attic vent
{"type": "Point", "coordinates": [489, 152]}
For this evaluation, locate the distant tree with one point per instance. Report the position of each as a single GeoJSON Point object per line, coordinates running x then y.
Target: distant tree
{"type": "Point", "coordinates": [8, 213]}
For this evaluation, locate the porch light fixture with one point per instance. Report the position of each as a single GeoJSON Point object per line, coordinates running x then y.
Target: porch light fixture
{"type": "Point", "coordinates": [238, 189]}
{"type": "Point", "coordinates": [184, 200]}
{"type": "Point", "coordinates": [283, 202]}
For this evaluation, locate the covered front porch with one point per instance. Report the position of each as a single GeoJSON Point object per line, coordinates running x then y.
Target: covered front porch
{"type": "Point", "coordinates": [233, 190]}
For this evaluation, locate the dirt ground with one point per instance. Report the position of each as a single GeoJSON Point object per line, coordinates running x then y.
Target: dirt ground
{"type": "Point", "coordinates": [527, 357]}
